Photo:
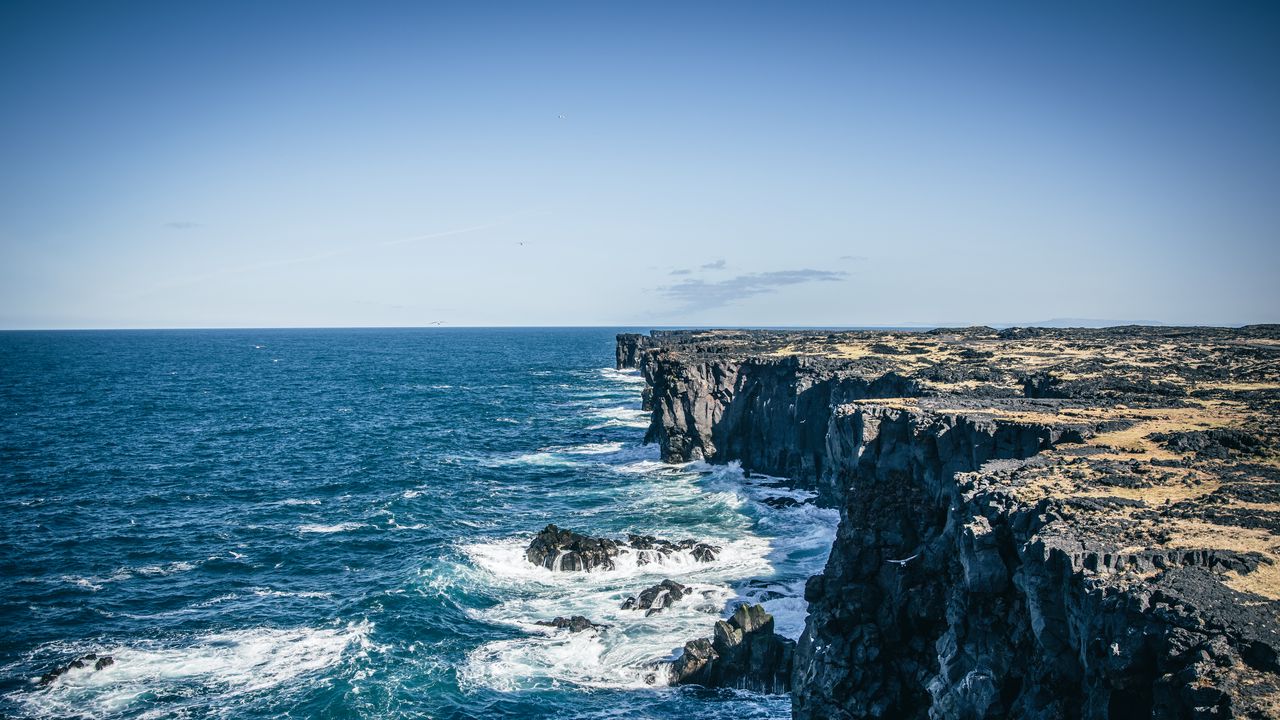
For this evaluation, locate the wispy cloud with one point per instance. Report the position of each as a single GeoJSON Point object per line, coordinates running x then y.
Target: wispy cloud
{"type": "Point", "coordinates": [329, 254]}
{"type": "Point", "coordinates": [181, 225]}
{"type": "Point", "coordinates": [715, 265]}
{"type": "Point", "coordinates": [702, 294]}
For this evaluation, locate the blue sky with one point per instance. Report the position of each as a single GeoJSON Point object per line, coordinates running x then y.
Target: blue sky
{"type": "Point", "coordinates": [373, 164]}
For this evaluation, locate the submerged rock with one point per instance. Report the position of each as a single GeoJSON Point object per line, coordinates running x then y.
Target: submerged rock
{"type": "Point", "coordinates": [89, 660]}
{"type": "Point", "coordinates": [744, 653]}
{"type": "Point", "coordinates": [557, 549]}
{"type": "Point", "coordinates": [576, 623]}
{"type": "Point", "coordinates": [657, 598]}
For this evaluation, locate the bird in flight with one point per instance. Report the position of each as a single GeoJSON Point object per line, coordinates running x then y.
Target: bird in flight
{"type": "Point", "coordinates": [903, 562]}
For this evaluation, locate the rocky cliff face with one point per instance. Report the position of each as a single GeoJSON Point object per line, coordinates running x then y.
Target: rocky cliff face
{"type": "Point", "coordinates": [1029, 524]}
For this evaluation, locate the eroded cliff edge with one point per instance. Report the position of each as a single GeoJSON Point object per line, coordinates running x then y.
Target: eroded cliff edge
{"type": "Point", "coordinates": [1034, 523]}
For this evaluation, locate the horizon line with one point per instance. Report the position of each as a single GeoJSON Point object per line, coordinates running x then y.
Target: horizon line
{"type": "Point", "coordinates": [708, 326]}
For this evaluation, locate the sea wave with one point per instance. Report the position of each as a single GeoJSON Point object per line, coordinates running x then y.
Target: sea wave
{"type": "Point", "coordinates": [217, 669]}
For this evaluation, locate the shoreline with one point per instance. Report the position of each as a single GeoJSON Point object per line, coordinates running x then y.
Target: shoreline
{"type": "Point", "coordinates": [1006, 500]}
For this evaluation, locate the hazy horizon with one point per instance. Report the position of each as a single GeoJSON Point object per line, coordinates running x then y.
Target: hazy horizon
{"type": "Point", "coordinates": [299, 165]}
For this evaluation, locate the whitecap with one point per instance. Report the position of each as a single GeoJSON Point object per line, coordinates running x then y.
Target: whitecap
{"type": "Point", "coordinates": [632, 377]}
{"type": "Point", "coordinates": [326, 529]}
{"type": "Point", "coordinates": [269, 592]}
{"type": "Point", "coordinates": [215, 669]}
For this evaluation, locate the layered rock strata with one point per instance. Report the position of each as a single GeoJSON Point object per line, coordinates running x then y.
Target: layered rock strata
{"type": "Point", "coordinates": [1034, 523]}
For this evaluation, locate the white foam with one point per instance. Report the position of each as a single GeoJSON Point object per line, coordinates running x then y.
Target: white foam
{"type": "Point", "coordinates": [631, 377]}
{"type": "Point", "coordinates": [326, 529]}
{"type": "Point", "coordinates": [215, 669]}
{"type": "Point", "coordinates": [85, 583]}
{"type": "Point", "coordinates": [594, 448]}
{"type": "Point", "coordinates": [269, 592]}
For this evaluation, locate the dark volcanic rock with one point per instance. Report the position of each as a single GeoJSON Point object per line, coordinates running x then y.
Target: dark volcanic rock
{"type": "Point", "coordinates": [1218, 444]}
{"type": "Point", "coordinates": [657, 598]}
{"type": "Point", "coordinates": [744, 653]}
{"type": "Point", "coordinates": [574, 624]}
{"type": "Point", "coordinates": [558, 549]}
{"type": "Point", "coordinates": [648, 548]}
{"type": "Point", "coordinates": [1034, 523]}
{"type": "Point", "coordinates": [91, 660]}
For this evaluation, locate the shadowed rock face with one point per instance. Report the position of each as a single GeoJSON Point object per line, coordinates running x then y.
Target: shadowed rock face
{"type": "Point", "coordinates": [1034, 523]}
{"type": "Point", "coordinates": [743, 653]}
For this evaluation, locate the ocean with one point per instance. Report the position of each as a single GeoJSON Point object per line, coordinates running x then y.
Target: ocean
{"type": "Point", "coordinates": [331, 524]}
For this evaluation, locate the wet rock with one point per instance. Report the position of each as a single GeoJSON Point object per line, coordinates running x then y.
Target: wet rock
{"type": "Point", "coordinates": [90, 660]}
{"type": "Point", "coordinates": [649, 549]}
{"type": "Point", "coordinates": [744, 653]}
{"type": "Point", "coordinates": [576, 623]}
{"type": "Point", "coordinates": [564, 550]}
{"type": "Point", "coordinates": [657, 598]}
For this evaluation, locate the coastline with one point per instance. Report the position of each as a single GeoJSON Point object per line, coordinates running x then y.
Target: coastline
{"type": "Point", "coordinates": [1034, 523]}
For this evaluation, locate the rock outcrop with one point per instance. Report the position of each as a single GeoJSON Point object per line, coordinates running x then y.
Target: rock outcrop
{"type": "Point", "coordinates": [563, 550]}
{"type": "Point", "coordinates": [91, 660]}
{"type": "Point", "coordinates": [657, 598]}
{"type": "Point", "coordinates": [574, 624]}
{"type": "Point", "coordinates": [1034, 523]}
{"type": "Point", "coordinates": [650, 549]}
{"type": "Point", "coordinates": [744, 653]}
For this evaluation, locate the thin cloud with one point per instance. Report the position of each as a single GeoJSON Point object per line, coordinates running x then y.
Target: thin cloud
{"type": "Point", "coordinates": [717, 265]}
{"type": "Point", "coordinates": [683, 271]}
{"type": "Point", "coordinates": [701, 294]}
{"type": "Point", "coordinates": [181, 225]}
{"type": "Point", "coordinates": [329, 254]}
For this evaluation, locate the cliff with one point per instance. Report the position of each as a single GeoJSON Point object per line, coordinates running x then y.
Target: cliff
{"type": "Point", "coordinates": [1034, 523]}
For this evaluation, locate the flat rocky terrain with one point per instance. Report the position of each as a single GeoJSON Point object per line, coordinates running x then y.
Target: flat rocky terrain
{"type": "Point", "coordinates": [1034, 522]}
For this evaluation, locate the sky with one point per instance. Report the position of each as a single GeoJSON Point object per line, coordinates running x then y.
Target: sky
{"type": "Point", "coordinates": [273, 164]}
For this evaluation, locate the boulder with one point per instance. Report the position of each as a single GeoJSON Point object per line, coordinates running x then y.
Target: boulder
{"type": "Point", "coordinates": [558, 549]}
{"type": "Point", "coordinates": [565, 550]}
{"type": "Point", "coordinates": [657, 598]}
{"type": "Point", "coordinates": [744, 653]}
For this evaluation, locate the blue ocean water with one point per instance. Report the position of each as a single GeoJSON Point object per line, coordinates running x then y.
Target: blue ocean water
{"type": "Point", "coordinates": [330, 524]}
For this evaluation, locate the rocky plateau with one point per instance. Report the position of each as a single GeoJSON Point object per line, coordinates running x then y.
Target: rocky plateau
{"type": "Point", "coordinates": [1034, 523]}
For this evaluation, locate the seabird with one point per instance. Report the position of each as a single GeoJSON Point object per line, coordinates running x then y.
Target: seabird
{"type": "Point", "coordinates": [903, 562]}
